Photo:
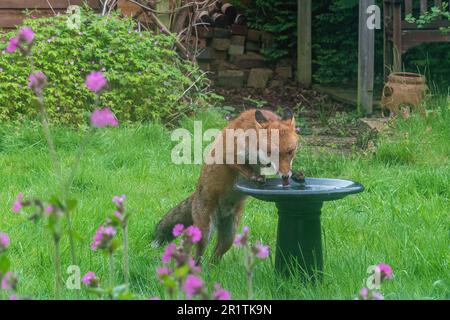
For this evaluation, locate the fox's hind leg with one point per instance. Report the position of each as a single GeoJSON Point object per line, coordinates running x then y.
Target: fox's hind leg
{"type": "Point", "coordinates": [180, 214]}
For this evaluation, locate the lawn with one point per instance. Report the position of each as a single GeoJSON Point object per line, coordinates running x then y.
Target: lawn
{"type": "Point", "coordinates": [402, 218]}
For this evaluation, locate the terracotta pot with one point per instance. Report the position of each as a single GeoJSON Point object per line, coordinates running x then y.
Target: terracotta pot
{"type": "Point", "coordinates": [403, 89]}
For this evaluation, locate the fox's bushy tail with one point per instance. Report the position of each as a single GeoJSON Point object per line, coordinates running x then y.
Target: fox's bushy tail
{"type": "Point", "coordinates": [182, 213]}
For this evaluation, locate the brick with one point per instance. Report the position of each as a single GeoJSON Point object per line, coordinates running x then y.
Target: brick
{"type": "Point", "coordinates": [205, 66]}
{"type": "Point", "coordinates": [222, 33]}
{"type": "Point", "coordinates": [205, 32]}
{"type": "Point", "coordinates": [230, 78]}
{"type": "Point", "coordinates": [221, 55]}
{"type": "Point", "coordinates": [239, 30]}
{"type": "Point", "coordinates": [259, 78]}
{"type": "Point", "coordinates": [207, 54]}
{"type": "Point", "coordinates": [249, 60]}
{"type": "Point", "coordinates": [254, 35]}
{"type": "Point", "coordinates": [275, 84]}
{"type": "Point", "coordinates": [236, 50]}
{"type": "Point", "coordinates": [252, 46]}
{"type": "Point", "coordinates": [238, 40]}
{"type": "Point", "coordinates": [266, 40]}
{"type": "Point", "coordinates": [284, 72]}
{"type": "Point", "coordinates": [221, 44]}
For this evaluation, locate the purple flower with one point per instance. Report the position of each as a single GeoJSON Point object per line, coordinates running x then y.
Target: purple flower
{"type": "Point", "coordinates": [90, 279]}
{"type": "Point", "coordinates": [26, 35]}
{"type": "Point", "coordinates": [9, 281]}
{"type": "Point", "coordinates": [260, 250]}
{"type": "Point", "coordinates": [363, 293]}
{"type": "Point", "coordinates": [4, 241]}
{"type": "Point", "coordinates": [12, 45]}
{"type": "Point", "coordinates": [178, 230]}
{"type": "Point", "coordinates": [103, 238]}
{"type": "Point", "coordinates": [95, 81]}
{"type": "Point", "coordinates": [162, 272]}
{"type": "Point", "coordinates": [37, 81]}
{"type": "Point", "coordinates": [13, 297]}
{"type": "Point", "coordinates": [17, 206]}
{"type": "Point", "coordinates": [101, 118]}
{"type": "Point", "coordinates": [154, 298]}
{"type": "Point", "coordinates": [48, 210]}
{"type": "Point", "coordinates": [377, 296]}
{"type": "Point", "coordinates": [168, 253]}
{"type": "Point", "coordinates": [194, 234]}
{"type": "Point", "coordinates": [192, 285]}
{"type": "Point", "coordinates": [193, 266]}
{"type": "Point", "coordinates": [119, 200]}
{"type": "Point", "coordinates": [241, 239]}
{"type": "Point", "coordinates": [385, 270]}
{"type": "Point", "coordinates": [220, 293]}
{"type": "Point", "coordinates": [118, 215]}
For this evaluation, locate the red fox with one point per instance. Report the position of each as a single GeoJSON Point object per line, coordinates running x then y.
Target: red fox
{"type": "Point", "coordinates": [215, 203]}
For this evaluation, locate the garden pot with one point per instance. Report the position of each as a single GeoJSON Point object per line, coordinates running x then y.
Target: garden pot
{"type": "Point", "coordinates": [299, 232]}
{"type": "Point", "coordinates": [403, 89]}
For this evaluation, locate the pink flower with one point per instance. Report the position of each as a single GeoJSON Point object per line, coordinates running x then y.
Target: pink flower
{"type": "Point", "coordinates": [37, 81]}
{"type": "Point", "coordinates": [364, 293]}
{"type": "Point", "coordinates": [194, 234]}
{"type": "Point", "coordinates": [13, 297]}
{"type": "Point", "coordinates": [119, 200]}
{"type": "Point", "coordinates": [12, 45]}
{"type": "Point", "coordinates": [4, 241]}
{"type": "Point", "coordinates": [95, 81]}
{"type": "Point", "coordinates": [168, 253]}
{"type": "Point", "coordinates": [17, 206]}
{"type": "Point", "coordinates": [385, 270]}
{"type": "Point", "coordinates": [192, 285]}
{"type": "Point", "coordinates": [9, 281]}
{"type": "Point", "coordinates": [48, 210]}
{"type": "Point", "coordinates": [101, 118]}
{"type": "Point", "coordinates": [26, 35]}
{"type": "Point", "coordinates": [162, 272]}
{"type": "Point", "coordinates": [260, 250]}
{"type": "Point", "coordinates": [154, 298]}
{"type": "Point", "coordinates": [220, 293]}
{"type": "Point", "coordinates": [178, 230]}
{"type": "Point", "coordinates": [90, 279]}
{"type": "Point", "coordinates": [377, 296]}
{"type": "Point", "coordinates": [241, 239]}
{"type": "Point", "coordinates": [193, 266]}
{"type": "Point", "coordinates": [103, 238]}
{"type": "Point", "coordinates": [118, 215]}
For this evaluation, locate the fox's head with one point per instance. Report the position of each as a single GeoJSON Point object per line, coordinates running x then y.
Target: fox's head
{"type": "Point", "coordinates": [277, 150]}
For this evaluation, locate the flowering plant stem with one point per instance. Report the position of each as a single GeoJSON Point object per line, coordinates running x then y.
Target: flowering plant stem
{"type": "Point", "coordinates": [111, 270]}
{"type": "Point", "coordinates": [58, 280]}
{"type": "Point", "coordinates": [249, 272]}
{"type": "Point", "coordinates": [126, 265]}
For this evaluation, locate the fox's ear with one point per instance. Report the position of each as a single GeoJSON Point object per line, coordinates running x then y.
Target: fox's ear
{"type": "Point", "coordinates": [288, 116]}
{"type": "Point", "coordinates": [259, 117]}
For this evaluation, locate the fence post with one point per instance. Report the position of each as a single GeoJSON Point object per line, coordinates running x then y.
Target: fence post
{"type": "Point", "coordinates": [304, 42]}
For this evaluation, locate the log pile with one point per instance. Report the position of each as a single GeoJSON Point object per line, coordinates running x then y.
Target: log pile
{"type": "Point", "coordinates": [232, 52]}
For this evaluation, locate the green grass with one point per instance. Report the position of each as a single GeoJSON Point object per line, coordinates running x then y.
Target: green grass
{"type": "Point", "coordinates": [402, 218]}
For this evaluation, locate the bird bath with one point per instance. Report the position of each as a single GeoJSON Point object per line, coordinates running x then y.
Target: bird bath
{"type": "Point", "coordinates": [299, 205]}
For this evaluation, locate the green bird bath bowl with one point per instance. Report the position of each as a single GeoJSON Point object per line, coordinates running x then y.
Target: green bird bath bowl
{"type": "Point", "coordinates": [299, 243]}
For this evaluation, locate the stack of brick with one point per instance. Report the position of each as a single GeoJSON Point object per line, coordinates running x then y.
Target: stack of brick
{"type": "Point", "coordinates": [233, 56]}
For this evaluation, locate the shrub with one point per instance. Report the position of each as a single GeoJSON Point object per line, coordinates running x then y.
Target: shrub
{"type": "Point", "coordinates": [147, 79]}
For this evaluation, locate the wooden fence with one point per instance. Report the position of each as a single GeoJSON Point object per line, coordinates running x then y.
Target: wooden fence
{"type": "Point", "coordinates": [12, 11]}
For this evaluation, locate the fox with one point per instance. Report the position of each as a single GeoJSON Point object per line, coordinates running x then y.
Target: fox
{"type": "Point", "coordinates": [215, 204]}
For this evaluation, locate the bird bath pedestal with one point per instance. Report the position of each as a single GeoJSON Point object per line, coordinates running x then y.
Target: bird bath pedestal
{"type": "Point", "coordinates": [299, 243]}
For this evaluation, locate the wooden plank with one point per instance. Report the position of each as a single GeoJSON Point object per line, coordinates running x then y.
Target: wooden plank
{"type": "Point", "coordinates": [43, 4]}
{"type": "Point", "coordinates": [423, 6]}
{"type": "Point", "coordinates": [388, 47]}
{"type": "Point", "coordinates": [397, 36]}
{"type": "Point", "coordinates": [304, 61]}
{"type": "Point", "coordinates": [408, 7]}
{"type": "Point", "coordinates": [412, 38]}
{"type": "Point", "coordinates": [366, 59]}
{"type": "Point", "coordinates": [433, 25]}
{"type": "Point", "coordinates": [9, 19]}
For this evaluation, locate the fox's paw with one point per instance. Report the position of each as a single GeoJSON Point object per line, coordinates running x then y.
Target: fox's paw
{"type": "Point", "coordinates": [259, 180]}
{"type": "Point", "coordinates": [298, 176]}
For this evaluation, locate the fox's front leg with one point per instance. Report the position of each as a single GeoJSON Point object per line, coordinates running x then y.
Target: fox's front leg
{"type": "Point", "coordinates": [248, 173]}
